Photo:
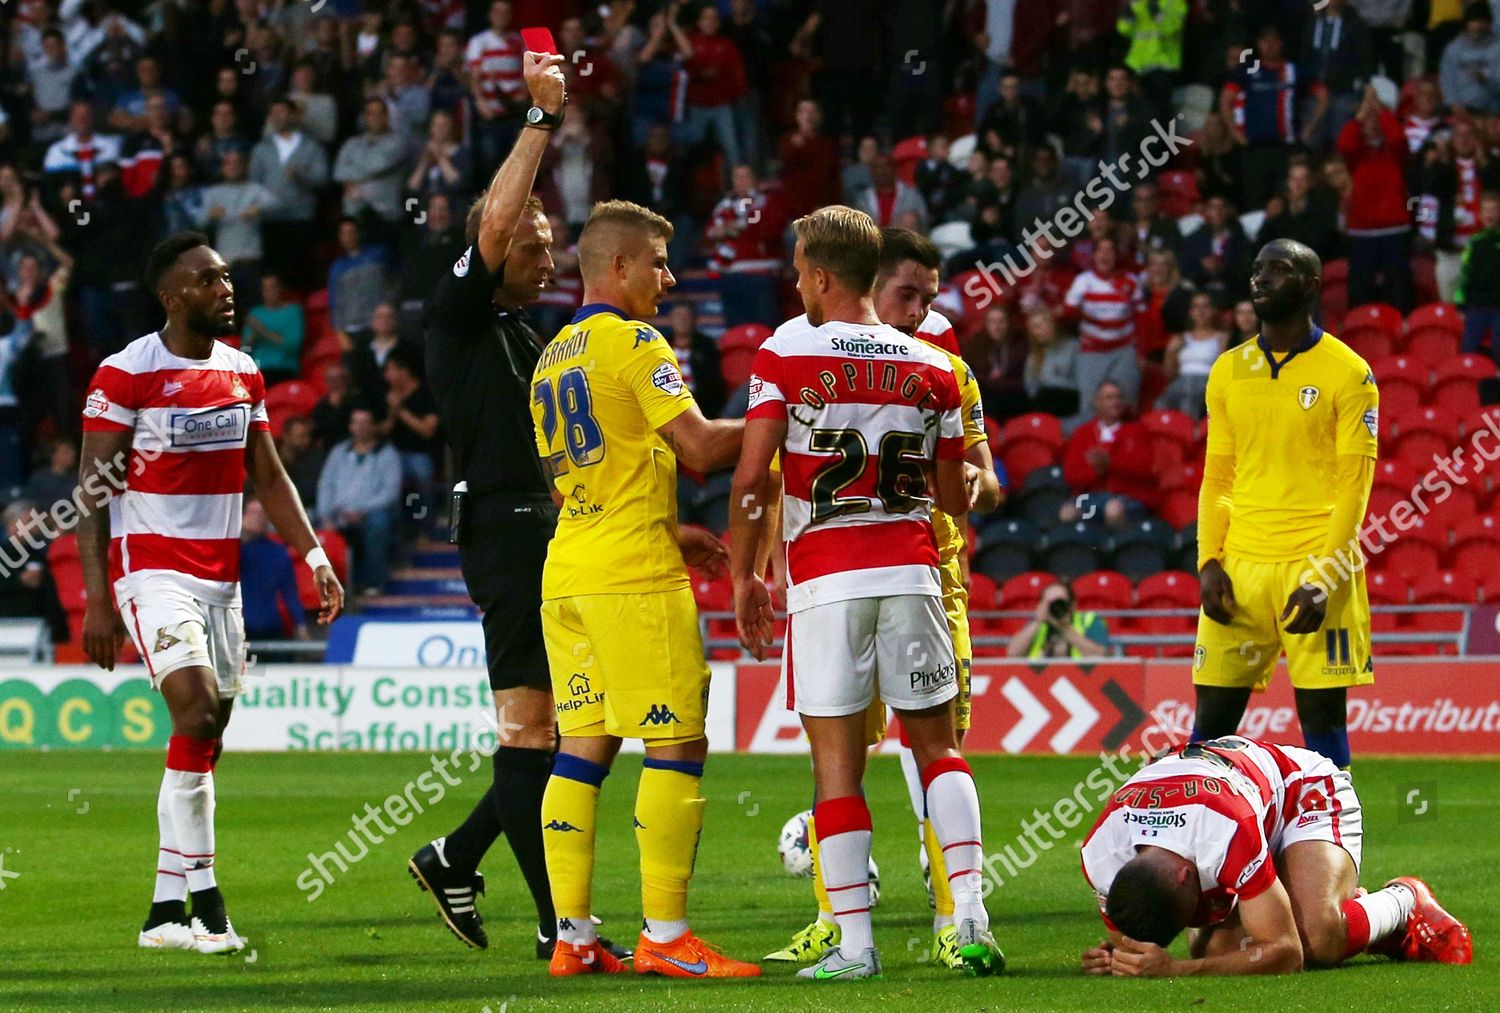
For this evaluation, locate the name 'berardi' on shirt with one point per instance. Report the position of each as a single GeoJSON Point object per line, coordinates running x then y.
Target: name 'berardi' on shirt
{"type": "Point", "coordinates": [564, 348]}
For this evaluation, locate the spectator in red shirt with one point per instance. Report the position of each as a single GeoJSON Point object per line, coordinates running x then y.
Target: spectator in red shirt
{"type": "Point", "coordinates": [1379, 224]}
{"type": "Point", "coordinates": [809, 163]}
{"type": "Point", "coordinates": [888, 198]}
{"type": "Point", "coordinates": [593, 81]}
{"type": "Point", "coordinates": [745, 229]}
{"type": "Point", "coordinates": [494, 61]}
{"type": "Point", "coordinates": [716, 80]}
{"type": "Point", "coordinates": [1107, 465]}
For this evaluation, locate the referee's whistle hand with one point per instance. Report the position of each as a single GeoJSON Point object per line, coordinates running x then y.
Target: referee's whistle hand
{"type": "Point", "coordinates": [1216, 592]}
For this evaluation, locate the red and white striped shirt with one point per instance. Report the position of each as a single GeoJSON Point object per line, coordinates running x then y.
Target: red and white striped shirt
{"type": "Point", "coordinates": [496, 62]}
{"type": "Point", "coordinates": [191, 418]}
{"type": "Point", "coordinates": [1106, 309]}
{"type": "Point", "coordinates": [1223, 809]}
{"type": "Point", "coordinates": [867, 410]}
{"type": "Point", "coordinates": [936, 329]}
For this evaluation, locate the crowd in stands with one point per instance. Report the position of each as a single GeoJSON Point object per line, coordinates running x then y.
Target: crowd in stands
{"type": "Point", "coordinates": [332, 150]}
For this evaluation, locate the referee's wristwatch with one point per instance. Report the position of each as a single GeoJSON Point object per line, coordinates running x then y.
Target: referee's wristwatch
{"type": "Point", "coordinates": [538, 117]}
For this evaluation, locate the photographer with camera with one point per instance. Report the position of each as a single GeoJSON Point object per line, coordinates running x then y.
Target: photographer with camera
{"type": "Point", "coordinates": [1058, 631]}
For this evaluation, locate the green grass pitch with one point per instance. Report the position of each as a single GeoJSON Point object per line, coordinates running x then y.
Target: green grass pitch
{"type": "Point", "coordinates": [372, 942]}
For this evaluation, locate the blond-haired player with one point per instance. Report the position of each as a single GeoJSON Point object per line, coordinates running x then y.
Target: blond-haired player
{"type": "Point", "coordinates": [613, 417]}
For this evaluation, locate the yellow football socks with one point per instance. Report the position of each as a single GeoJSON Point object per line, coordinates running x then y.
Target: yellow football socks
{"type": "Point", "coordinates": [570, 807]}
{"type": "Point", "coordinates": [942, 893]}
{"type": "Point", "coordinates": [668, 821]}
{"type": "Point", "coordinates": [825, 906]}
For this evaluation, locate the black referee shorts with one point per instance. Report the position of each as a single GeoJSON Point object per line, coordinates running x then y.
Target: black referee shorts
{"type": "Point", "coordinates": [504, 547]}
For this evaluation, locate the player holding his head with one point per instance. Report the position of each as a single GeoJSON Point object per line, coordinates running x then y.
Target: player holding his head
{"type": "Point", "coordinates": [1257, 848]}
{"type": "Point", "coordinates": [868, 424]}
{"type": "Point", "coordinates": [1292, 421]}
{"type": "Point", "coordinates": [613, 417]}
{"type": "Point", "coordinates": [906, 283]}
{"type": "Point", "coordinates": [172, 424]}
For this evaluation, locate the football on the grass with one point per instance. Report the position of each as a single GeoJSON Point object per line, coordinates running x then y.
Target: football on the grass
{"type": "Point", "coordinates": [796, 855]}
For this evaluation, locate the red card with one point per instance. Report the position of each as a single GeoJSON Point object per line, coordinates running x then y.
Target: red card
{"type": "Point", "coordinates": [538, 40]}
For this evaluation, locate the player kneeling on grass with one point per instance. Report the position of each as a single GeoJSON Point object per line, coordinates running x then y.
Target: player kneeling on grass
{"type": "Point", "coordinates": [172, 424]}
{"type": "Point", "coordinates": [613, 417]}
{"type": "Point", "coordinates": [862, 415]}
{"type": "Point", "coordinates": [1256, 847]}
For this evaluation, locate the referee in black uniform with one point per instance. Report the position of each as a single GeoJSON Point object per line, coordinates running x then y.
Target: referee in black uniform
{"type": "Point", "coordinates": [481, 353]}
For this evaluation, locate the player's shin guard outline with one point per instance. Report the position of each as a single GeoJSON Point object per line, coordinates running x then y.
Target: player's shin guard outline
{"type": "Point", "coordinates": [668, 822]}
{"type": "Point", "coordinates": [569, 812]}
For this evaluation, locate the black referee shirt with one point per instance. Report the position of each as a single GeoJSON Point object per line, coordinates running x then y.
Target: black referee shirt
{"type": "Point", "coordinates": [479, 362]}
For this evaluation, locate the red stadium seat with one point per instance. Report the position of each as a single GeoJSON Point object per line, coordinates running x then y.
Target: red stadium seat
{"type": "Point", "coordinates": [1033, 426]}
{"type": "Point", "coordinates": [1024, 590]}
{"type": "Point", "coordinates": [714, 595]}
{"type": "Point", "coordinates": [1188, 476]}
{"type": "Point", "coordinates": [1457, 381]}
{"type": "Point", "coordinates": [1448, 511]}
{"type": "Point", "coordinates": [1476, 420]}
{"type": "Point", "coordinates": [1438, 316]}
{"type": "Point", "coordinates": [1174, 589]}
{"type": "Point", "coordinates": [1103, 589]}
{"type": "Point", "coordinates": [1445, 588]}
{"type": "Point", "coordinates": [1432, 347]}
{"type": "Point", "coordinates": [1404, 383]}
{"type": "Point", "coordinates": [1334, 302]}
{"type": "Point", "coordinates": [1180, 508]}
{"type": "Point", "coordinates": [1022, 457]}
{"type": "Point", "coordinates": [1181, 626]}
{"type": "Point", "coordinates": [1372, 346]}
{"type": "Point", "coordinates": [746, 336]}
{"type": "Point", "coordinates": [992, 434]}
{"type": "Point", "coordinates": [906, 154]}
{"type": "Point", "coordinates": [1415, 552]}
{"type": "Point", "coordinates": [1379, 317]}
{"type": "Point", "coordinates": [289, 399]}
{"type": "Point", "coordinates": [1386, 588]}
{"type": "Point", "coordinates": [1436, 419]}
{"type": "Point", "coordinates": [1396, 475]}
{"type": "Point", "coordinates": [1174, 426]}
{"type": "Point", "coordinates": [1166, 454]}
{"type": "Point", "coordinates": [1476, 551]}
{"type": "Point", "coordinates": [982, 593]}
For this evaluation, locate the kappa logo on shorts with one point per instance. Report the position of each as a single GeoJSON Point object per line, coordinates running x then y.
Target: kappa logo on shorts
{"type": "Point", "coordinates": [164, 641]}
{"type": "Point", "coordinates": [660, 714]}
{"type": "Point", "coordinates": [562, 825]}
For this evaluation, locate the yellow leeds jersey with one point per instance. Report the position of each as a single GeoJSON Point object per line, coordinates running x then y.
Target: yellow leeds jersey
{"type": "Point", "coordinates": [1285, 420]}
{"type": "Point", "coordinates": [949, 533]}
{"type": "Point", "coordinates": [600, 391]}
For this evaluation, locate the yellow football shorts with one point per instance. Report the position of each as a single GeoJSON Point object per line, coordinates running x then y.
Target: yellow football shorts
{"type": "Point", "coordinates": [1245, 652]}
{"type": "Point", "coordinates": [956, 606]}
{"type": "Point", "coordinates": [630, 665]}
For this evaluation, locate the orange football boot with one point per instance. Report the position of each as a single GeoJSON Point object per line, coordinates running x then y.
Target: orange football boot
{"type": "Point", "coordinates": [588, 958]}
{"type": "Point", "coordinates": [687, 956]}
{"type": "Point", "coordinates": [1432, 934]}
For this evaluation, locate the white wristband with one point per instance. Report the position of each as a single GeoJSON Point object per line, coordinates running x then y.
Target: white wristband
{"type": "Point", "coordinates": [316, 558]}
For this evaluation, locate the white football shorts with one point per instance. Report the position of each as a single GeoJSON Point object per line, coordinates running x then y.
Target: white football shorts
{"type": "Point", "coordinates": [172, 630]}
{"type": "Point", "coordinates": [839, 655]}
{"type": "Point", "coordinates": [1321, 806]}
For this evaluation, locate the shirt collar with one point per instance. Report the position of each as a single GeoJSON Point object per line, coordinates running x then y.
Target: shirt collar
{"type": "Point", "coordinates": [1313, 337]}
{"type": "Point", "coordinates": [584, 312]}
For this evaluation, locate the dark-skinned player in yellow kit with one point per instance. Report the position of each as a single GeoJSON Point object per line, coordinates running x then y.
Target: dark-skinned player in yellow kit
{"type": "Point", "coordinates": [1292, 422]}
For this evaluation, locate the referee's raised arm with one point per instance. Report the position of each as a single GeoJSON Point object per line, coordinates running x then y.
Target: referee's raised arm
{"type": "Point", "coordinates": [506, 197]}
